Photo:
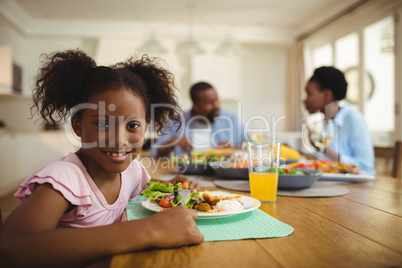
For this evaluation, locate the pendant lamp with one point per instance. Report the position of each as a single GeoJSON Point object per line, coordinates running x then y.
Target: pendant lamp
{"type": "Point", "coordinates": [152, 46]}
{"type": "Point", "coordinates": [191, 47]}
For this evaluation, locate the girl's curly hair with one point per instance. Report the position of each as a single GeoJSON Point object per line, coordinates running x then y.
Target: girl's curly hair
{"type": "Point", "coordinates": [69, 78]}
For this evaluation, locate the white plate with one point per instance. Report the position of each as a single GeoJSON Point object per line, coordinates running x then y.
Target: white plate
{"type": "Point", "coordinates": [249, 204]}
{"type": "Point", "coordinates": [347, 177]}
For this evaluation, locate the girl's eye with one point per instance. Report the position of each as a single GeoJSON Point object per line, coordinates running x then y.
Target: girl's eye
{"type": "Point", "coordinates": [133, 125]}
{"type": "Point", "coordinates": [103, 124]}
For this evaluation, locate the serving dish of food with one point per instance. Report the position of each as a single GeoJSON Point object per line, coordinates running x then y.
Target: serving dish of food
{"type": "Point", "coordinates": [336, 171]}
{"type": "Point", "coordinates": [234, 171]}
{"type": "Point", "coordinates": [327, 167]}
{"type": "Point", "coordinates": [209, 205]}
{"type": "Point", "coordinates": [197, 163]}
{"type": "Point", "coordinates": [288, 179]}
{"type": "Point", "coordinates": [296, 179]}
{"type": "Point", "coordinates": [237, 166]}
{"type": "Point", "coordinates": [288, 155]}
{"type": "Point", "coordinates": [194, 168]}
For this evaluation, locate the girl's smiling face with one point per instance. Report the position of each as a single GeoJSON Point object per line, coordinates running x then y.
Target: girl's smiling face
{"type": "Point", "coordinates": [112, 131]}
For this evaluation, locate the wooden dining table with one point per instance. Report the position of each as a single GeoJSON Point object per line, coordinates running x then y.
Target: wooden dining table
{"type": "Point", "coordinates": [360, 229]}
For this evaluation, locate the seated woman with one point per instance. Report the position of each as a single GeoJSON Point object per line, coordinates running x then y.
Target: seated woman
{"type": "Point", "coordinates": [352, 142]}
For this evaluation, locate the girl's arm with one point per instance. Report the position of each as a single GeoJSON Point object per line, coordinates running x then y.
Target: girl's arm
{"type": "Point", "coordinates": [30, 238]}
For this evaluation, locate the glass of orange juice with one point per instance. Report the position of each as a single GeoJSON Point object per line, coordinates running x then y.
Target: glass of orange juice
{"type": "Point", "coordinates": [263, 162]}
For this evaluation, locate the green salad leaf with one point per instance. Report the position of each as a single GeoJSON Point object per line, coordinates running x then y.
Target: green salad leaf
{"type": "Point", "coordinates": [159, 190]}
{"type": "Point", "coordinates": [290, 171]}
{"type": "Point", "coordinates": [158, 186]}
{"type": "Point", "coordinates": [153, 194]}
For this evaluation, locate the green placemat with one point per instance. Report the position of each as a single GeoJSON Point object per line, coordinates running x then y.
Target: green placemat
{"type": "Point", "coordinates": [253, 224]}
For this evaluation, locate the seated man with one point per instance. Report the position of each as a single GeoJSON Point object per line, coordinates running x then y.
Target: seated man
{"type": "Point", "coordinates": [203, 127]}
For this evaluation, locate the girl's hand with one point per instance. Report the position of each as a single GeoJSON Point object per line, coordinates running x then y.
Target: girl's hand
{"type": "Point", "coordinates": [174, 227]}
{"type": "Point", "coordinates": [180, 178]}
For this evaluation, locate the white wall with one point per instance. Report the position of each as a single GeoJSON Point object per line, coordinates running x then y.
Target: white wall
{"type": "Point", "coordinates": [34, 47]}
{"type": "Point", "coordinates": [257, 78]}
{"type": "Point", "coordinates": [112, 50]}
{"type": "Point", "coordinates": [263, 90]}
{"type": "Point", "coordinates": [26, 51]}
{"type": "Point", "coordinates": [24, 153]}
{"type": "Point", "coordinates": [24, 147]}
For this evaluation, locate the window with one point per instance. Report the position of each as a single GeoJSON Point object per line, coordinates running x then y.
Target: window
{"type": "Point", "coordinates": [369, 48]}
{"type": "Point", "coordinates": [322, 56]}
{"type": "Point", "coordinates": [347, 60]}
{"type": "Point", "coordinates": [379, 63]}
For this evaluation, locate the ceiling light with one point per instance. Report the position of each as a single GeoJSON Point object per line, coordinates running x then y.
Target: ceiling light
{"type": "Point", "coordinates": [152, 46]}
{"type": "Point", "coordinates": [190, 47]}
{"type": "Point", "coordinates": [227, 48]}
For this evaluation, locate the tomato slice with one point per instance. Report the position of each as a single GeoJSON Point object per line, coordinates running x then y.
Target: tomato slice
{"type": "Point", "coordinates": [164, 203]}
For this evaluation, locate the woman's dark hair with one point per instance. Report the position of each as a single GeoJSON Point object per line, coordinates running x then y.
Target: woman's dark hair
{"type": "Point", "coordinates": [197, 88]}
{"type": "Point", "coordinates": [331, 78]}
{"type": "Point", "coordinates": [69, 78]}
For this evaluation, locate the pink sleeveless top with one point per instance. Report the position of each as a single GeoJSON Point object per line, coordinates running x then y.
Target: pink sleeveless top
{"type": "Point", "coordinates": [70, 178]}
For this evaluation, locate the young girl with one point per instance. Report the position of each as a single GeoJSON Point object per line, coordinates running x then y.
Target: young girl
{"type": "Point", "coordinates": [71, 214]}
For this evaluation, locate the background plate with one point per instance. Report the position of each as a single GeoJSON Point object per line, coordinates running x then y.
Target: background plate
{"type": "Point", "coordinates": [230, 173]}
{"type": "Point", "coordinates": [289, 161]}
{"type": "Point", "coordinates": [347, 177]}
{"type": "Point", "coordinates": [195, 169]}
{"type": "Point", "coordinates": [319, 189]}
{"type": "Point", "coordinates": [285, 182]}
{"type": "Point", "coordinates": [236, 173]}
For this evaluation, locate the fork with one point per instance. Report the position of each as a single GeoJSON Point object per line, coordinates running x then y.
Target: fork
{"type": "Point", "coordinates": [183, 194]}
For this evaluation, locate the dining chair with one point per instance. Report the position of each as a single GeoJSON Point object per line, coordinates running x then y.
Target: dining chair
{"type": "Point", "coordinates": [393, 154]}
